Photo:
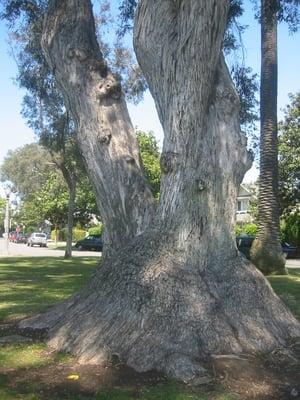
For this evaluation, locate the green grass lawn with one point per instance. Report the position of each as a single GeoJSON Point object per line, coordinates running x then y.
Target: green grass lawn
{"type": "Point", "coordinates": [288, 288]}
{"type": "Point", "coordinates": [31, 285]}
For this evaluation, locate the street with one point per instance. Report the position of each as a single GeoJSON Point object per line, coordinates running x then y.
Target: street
{"type": "Point", "coordinates": [25, 251]}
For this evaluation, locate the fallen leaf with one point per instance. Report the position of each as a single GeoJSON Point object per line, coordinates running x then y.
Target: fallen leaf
{"type": "Point", "coordinates": [73, 377]}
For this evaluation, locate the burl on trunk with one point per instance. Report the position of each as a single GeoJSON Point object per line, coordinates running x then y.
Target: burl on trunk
{"type": "Point", "coordinates": [172, 291]}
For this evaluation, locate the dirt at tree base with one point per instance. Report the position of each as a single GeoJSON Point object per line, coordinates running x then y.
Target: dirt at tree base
{"type": "Point", "coordinates": [274, 376]}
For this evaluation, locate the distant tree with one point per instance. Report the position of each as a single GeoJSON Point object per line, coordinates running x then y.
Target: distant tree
{"type": "Point", "coordinates": [150, 156]}
{"type": "Point", "coordinates": [26, 168]}
{"type": "Point", "coordinates": [289, 157]}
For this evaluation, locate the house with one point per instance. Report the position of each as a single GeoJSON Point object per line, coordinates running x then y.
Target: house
{"type": "Point", "coordinates": [244, 197]}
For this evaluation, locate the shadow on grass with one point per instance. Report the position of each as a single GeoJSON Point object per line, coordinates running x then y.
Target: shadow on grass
{"type": "Point", "coordinates": [30, 285]}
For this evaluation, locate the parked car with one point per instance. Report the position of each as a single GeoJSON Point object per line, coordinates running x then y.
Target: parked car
{"type": "Point", "coordinates": [244, 243]}
{"type": "Point", "coordinates": [38, 239]}
{"type": "Point", "coordinates": [12, 235]}
{"type": "Point", "coordinates": [20, 238]}
{"type": "Point", "coordinates": [288, 250]}
{"type": "Point", "coordinates": [91, 242]}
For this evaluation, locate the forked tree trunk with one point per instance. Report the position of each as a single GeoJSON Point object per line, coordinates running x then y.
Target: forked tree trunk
{"type": "Point", "coordinates": [178, 291]}
{"type": "Point", "coordinates": [266, 252]}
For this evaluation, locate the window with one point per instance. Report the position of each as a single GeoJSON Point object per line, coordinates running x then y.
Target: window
{"type": "Point", "coordinates": [242, 206]}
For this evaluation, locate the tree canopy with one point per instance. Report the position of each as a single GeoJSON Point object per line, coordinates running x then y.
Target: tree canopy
{"type": "Point", "coordinates": [289, 156]}
{"type": "Point", "coordinates": [26, 168]}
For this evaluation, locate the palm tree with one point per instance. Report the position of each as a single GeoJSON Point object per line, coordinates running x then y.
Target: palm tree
{"type": "Point", "coordinates": [266, 250]}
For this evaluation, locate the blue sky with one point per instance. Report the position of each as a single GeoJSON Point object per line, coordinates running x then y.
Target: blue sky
{"type": "Point", "coordinates": [14, 133]}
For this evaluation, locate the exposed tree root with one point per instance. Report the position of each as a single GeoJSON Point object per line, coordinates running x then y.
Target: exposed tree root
{"type": "Point", "coordinates": [153, 311]}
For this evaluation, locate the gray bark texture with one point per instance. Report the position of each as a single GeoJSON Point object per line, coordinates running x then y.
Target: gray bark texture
{"type": "Point", "coordinates": [177, 292]}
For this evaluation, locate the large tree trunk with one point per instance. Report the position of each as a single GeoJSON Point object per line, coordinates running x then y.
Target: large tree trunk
{"type": "Point", "coordinates": [107, 140]}
{"type": "Point", "coordinates": [266, 252]}
{"type": "Point", "coordinates": [178, 292]}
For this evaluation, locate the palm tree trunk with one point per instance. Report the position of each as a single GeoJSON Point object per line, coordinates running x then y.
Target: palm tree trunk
{"type": "Point", "coordinates": [266, 251]}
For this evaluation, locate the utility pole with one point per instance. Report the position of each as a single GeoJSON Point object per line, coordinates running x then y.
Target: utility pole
{"type": "Point", "coordinates": [6, 224]}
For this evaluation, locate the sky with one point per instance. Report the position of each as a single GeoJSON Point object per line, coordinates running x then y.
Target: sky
{"type": "Point", "coordinates": [14, 132]}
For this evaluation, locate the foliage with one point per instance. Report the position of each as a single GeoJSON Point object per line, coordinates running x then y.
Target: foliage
{"type": "Point", "coordinates": [42, 189]}
{"type": "Point", "coordinates": [234, 31]}
{"type": "Point", "coordinates": [247, 229]}
{"type": "Point", "coordinates": [77, 234]}
{"type": "Point", "coordinates": [150, 156]}
{"type": "Point", "coordinates": [289, 157]}
{"type": "Point", "coordinates": [290, 228]}
{"type": "Point", "coordinates": [26, 168]}
{"type": "Point", "coordinates": [238, 230]}
{"type": "Point", "coordinates": [250, 229]}
{"type": "Point", "coordinates": [247, 86]}
{"type": "Point", "coordinates": [51, 203]}
{"type": "Point", "coordinates": [85, 202]}
{"type": "Point", "coordinates": [96, 230]}
{"type": "Point", "coordinates": [286, 11]}
{"type": "Point", "coordinates": [30, 229]}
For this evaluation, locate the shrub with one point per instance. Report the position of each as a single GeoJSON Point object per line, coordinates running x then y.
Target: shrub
{"type": "Point", "coordinates": [250, 229]}
{"type": "Point", "coordinates": [78, 234]}
{"type": "Point", "coordinates": [290, 229]}
{"type": "Point", "coordinates": [96, 230]}
{"type": "Point", "coordinates": [238, 230]}
{"type": "Point", "coordinates": [247, 229]}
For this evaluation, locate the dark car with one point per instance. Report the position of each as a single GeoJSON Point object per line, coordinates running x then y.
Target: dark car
{"type": "Point", "coordinates": [21, 238]}
{"type": "Point", "coordinates": [244, 243]}
{"type": "Point", "coordinates": [90, 243]}
{"type": "Point", "coordinates": [288, 250]}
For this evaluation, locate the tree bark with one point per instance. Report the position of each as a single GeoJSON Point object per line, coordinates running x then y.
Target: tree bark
{"type": "Point", "coordinates": [266, 252]}
{"type": "Point", "coordinates": [106, 136]}
{"type": "Point", "coordinates": [179, 292]}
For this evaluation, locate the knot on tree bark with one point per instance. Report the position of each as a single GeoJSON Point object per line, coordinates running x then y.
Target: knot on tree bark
{"type": "Point", "coordinates": [201, 184]}
{"type": "Point", "coordinates": [228, 96]}
{"type": "Point", "coordinates": [168, 161]}
{"type": "Point", "coordinates": [105, 137]}
{"type": "Point", "coordinates": [79, 53]}
{"type": "Point", "coordinates": [110, 87]}
{"type": "Point", "coordinates": [129, 159]}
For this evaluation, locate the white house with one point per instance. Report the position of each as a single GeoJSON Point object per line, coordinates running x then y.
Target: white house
{"type": "Point", "coordinates": [244, 198]}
